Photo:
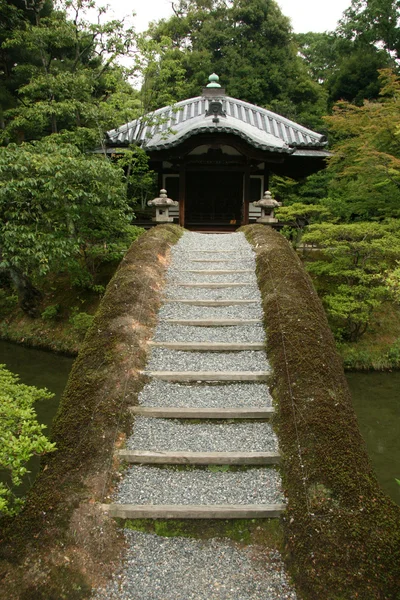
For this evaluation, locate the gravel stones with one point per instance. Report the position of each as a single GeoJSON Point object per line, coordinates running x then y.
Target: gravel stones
{"type": "Point", "coordinates": [229, 395]}
{"type": "Point", "coordinates": [175, 310]}
{"type": "Point", "coordinates": [162, 359]}
{"type": "Point", "coordinates": [180, 435]}
{"type": "Point", "coordinates": [152, 485]}
{"type": "Point", "coordinates": [179, 568]}
{"type": "Point", "coordinates": [157, 568]}
{"type": "Point", "coordinates": [233, 334]}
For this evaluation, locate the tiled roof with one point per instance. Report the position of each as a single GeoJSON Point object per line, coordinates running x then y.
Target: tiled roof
{"type": "Point", "coordinates": [169, 126]}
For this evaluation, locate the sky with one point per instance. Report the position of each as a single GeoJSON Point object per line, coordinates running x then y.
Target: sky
{"type": "Point", "coordinates": [306, 15]}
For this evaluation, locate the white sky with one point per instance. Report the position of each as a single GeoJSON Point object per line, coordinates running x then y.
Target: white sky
{"type": "Point", "coordinates": [306, 15]}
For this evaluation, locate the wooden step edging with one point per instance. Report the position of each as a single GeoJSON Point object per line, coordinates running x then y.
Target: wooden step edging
{"type": "Point", "coordinates": [209, 375]}
{"type": "Point", "coordinates": [199, 458]}
{"type": "Point", "coordinates": [208, 346]}
{"type": "Point", "coordinates": [211, 322]}
{"type": "Point", "coordinates": [160, 412]}
{"type": "Point", "coordinates": [190, 511]}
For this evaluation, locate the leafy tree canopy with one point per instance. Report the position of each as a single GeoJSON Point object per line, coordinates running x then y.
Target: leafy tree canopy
{"type": "Point", "coordinates": [250, 45]}
{"type": "Point", "coordinates": [351, 269]}
{"type": "Point", "coordinates": [62, 74]}
{"type": "Point", "coordinates": [365, 166]}
{"type": "Point", "coordinates": [58, 209]}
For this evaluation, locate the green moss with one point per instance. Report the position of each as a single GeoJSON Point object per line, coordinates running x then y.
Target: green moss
{"type": "Point", "coordinates": [264, 532]}
{"type": "Point", "coordinates": [105, 379]}
{"type": "Point", "coordinates": [342, 533]}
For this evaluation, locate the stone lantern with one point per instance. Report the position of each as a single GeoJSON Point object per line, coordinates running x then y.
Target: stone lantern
{"type": "Point", "coordinates": [162, 205]}
{"type": "Point", "coordinates": [267, 205]}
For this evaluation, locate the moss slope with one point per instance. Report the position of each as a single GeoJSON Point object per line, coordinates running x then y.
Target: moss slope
{"type": "Point", "coordinates": [342, 532]}
{"type": "Point", "coordinates": [61, 541]}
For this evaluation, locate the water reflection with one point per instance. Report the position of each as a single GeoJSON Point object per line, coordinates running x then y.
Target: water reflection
{"type": "Point", "coordinates": [42, 369]}
{"type": "Point", "coordinates": [376, 400]}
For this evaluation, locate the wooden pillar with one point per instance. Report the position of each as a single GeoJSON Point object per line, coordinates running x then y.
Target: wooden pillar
{"type": "Point", "coordinates": [266, 180]}
{"type": "Point", "coordinates": [182, 193]}
{"type": "Point", "coordinates": [246, 195]}
{"type": "Point", "coordinates": [160, 177]}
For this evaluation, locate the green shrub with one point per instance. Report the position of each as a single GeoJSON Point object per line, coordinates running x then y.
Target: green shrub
{"type": "Point", "coordinates": [7, 303]}
{"type": "Point", "coordinates": [51, 312]}
{"type": "Point", "coordinates": [81, 321]}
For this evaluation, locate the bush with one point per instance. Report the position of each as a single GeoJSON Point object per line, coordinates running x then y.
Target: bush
{"type": "Point", "coordinates": [81, 321]}
{"type": "Point", "coordinates": [21, 436]}
{"type": "Point", "coordinates": [51, 312]}
{"type": "Point", "coordinates": [7, 303]}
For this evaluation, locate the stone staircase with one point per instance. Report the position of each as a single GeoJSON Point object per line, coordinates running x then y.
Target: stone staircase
{"type": "Point", "coordinates": [202, 446]}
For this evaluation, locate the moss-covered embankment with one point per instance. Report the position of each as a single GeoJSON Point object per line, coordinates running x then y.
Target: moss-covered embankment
{"type": "Point", "coordinates": [61, 542]}
{"type": "Point", "coordinates": [342, 532]}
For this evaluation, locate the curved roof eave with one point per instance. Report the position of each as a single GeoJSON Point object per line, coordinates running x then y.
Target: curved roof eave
{"type": "Point", "coordinates": [169, 126]}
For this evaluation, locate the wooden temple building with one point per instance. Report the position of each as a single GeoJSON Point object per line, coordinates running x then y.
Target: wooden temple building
{"type": "Point", "coordinates": [214, 154]}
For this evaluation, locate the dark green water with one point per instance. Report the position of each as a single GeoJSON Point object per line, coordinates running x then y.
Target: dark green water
{"type": "Point", "coordinates": [376, 399]}
{"type": "Point", "coordinates": [42, 369]}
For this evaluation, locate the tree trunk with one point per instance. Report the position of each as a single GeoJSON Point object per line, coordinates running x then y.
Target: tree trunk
{"type": "Point", "coordinates": [29, 296]}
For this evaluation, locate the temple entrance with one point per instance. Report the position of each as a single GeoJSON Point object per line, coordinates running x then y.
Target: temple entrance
{"type": "Point", "coordinates": [214, 199]}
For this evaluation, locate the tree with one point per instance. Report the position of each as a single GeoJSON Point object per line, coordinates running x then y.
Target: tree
{"type": "Point", "coordinates": [21, 436]}
{"type": "Point", "coordinates": [366, 156]}
{"type": "Point", "coordinates": [69, 78]}
{"type": "Point", "coordinates": [59, 210]}
{"type": "Point", "coordinates": [373, 22]}
{"type": "Point", "coordinates": [250, 45]}
{"type": "Point", "coordinates": [298, 216]}
{"type": "Point", "coordinates": [350, 271]}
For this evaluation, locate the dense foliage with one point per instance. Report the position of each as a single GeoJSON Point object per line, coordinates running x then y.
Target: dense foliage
{"type": "Point", "coordinates": [20, 434]}
{"type": "Point", "coordinates": [250, 44]}
{"type": "Point", "coordinates": [60, 210]}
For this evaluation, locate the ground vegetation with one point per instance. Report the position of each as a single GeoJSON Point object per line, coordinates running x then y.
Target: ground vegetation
{"type": "Point", "coordinates": [342, 532]}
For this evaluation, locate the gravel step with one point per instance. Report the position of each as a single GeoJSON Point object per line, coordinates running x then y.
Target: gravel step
{"type": "Point", "coordinates": [244, 292]}
{"type": "Point", "coordinates": [214, 284]}
{"type": "Point", "coordinates": [233, 334]}
{"type": "Point", "coordinates": [146, 484]}
{"type": "Point", "coordinates": [199, 458]}
{"type": "Point", "coordinates": [203, 302]}
{"type": "Point", "coordinates": [202, 413]}
{"type": "Point", "coordinates": [209, 375]}
{"type": "Point", "coordinates": [224, 511]}
{"type": "Point", "coordinates": [187, 312]}
{"type": "Point", "coordinates": [208, 346]}
{"type": "Point", "coordinates": [219, 271]}
{"type": "Point", "coordinates": [164, 359]}
{"type": "Point", "coordinates": [221, 260]}
{"type": "Point", "coordinates": [174, 435]}
{"type": "Point", "coordinates": [182, 568]}
{"type": "Point", "coordinates": [218, 395]}
{"type": "Point", "coordinates": [212, 322]}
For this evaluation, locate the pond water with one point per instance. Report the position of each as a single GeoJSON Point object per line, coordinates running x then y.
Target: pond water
{"type": "Point", "coordinates": [376, 398]}
{"type": "Point", "coordinates": [42, 369]}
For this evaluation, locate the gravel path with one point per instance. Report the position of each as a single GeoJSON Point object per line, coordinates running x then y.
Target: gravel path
{"type": "Point", "coordinates": [174, 310]}
{"type": "Point", "coordinates": [161, 568]}
{"type": "Point", "coordinates": [246, 292]}
{"type": "Point", "coordinates": [229, 395]}
{"type": "Point", "coordinates": [178, 568]}
{"type": "Point", "coordinates": [162, 359]}
{"type": "Point", "coordinates": [152, 485]}
{"type": "Point", "coordinates": [174, 434]}
{"type": "Point", "coordinates": [233, 334]}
